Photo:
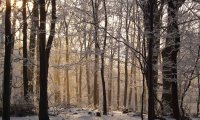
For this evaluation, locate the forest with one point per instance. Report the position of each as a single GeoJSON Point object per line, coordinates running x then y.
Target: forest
{"type": "Point", "coordinates": [100, 59]}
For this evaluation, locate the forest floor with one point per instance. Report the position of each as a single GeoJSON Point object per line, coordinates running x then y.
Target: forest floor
{"type": "Point", "coordinates": [86, 114]}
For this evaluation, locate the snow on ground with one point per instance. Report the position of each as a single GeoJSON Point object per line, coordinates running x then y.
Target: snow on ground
{"type": "Point", "coordinates": [82, 114]}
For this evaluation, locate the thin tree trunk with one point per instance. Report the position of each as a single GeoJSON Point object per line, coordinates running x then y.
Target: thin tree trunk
{"type": "Point", "coordinates": [77, 91]}
{"type": "Point", "coordinates": [102, 61]}
{"type": "Point", "coordinates": [126, 59]}
{"type": "Point", "coordinates": [118, 55]}
{"type": "Point", "coordinates": [198, 100]}
{"type": "Point", "coordinates": [131, 86]}
{"type": "Point", "coordinates": [118, 77]}
{"type": "Point", "coordinates": [88, 54]}
{"type": "Point", "coordinates": [7, 63]}
{"type": "Point", "coordinates": [80, 78]}
{"type": "Point", "coordinates": [129, 7]}
{"type": "Point", "coordinates": [110, 82]}
{"type": "Point", "coordinates": [57, 78]}
{"type": "Point", "coordinates": [133, 69]}
{"type": "Point", "coordinates": [126, 78]}
{"type": "Point", "coordinates": [66, 80]}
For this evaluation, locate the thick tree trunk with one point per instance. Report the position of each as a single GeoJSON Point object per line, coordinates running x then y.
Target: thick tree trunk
{"type": "Point", "coordinates": [156, 50]}
{"type": "Point", "coordinates": [170, 88]}
{"type": "Point", "coordinates": [13, 36]}
{"type": "Point", "coordinates": [25, 57]}
{"type": "Point", "coordinates": [7, 63]}
{"type": "Point", "coordinates": [32, 45]}
{"type": "Point", "coordinates": [44, 57]}
{"type": "Point", "coordinates": [43, 104]}
{"type": "Point", "coordinates": [151, 112]}
{"type": "Point", "coordinates": [96, 64]}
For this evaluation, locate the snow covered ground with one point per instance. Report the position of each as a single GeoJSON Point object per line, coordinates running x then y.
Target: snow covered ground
{"type": "Point", "coordinates": [82, 114]}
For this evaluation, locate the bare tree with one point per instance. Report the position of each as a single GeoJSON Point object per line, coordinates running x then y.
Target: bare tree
{"type": "Point", "coordinates": [102, 61]}
{"type": "Point", "coordinates": [95, 7]}
{"type": "Point", "coordinates": [25, 58]}
{"type": "Point", "coordinates": [44, 57]}
{"type": "Point", "coordinates": [7, 63]}
{"type": "Point", "coordinates": [32, 44]}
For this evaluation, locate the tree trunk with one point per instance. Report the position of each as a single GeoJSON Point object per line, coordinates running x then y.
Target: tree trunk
{"type": "Point", "coordinates": [44, 57]}
{"type": "Point", "coordinates": [198, 78]}
{"type": "Point", "coordinates": [129, 7]}
{"type": "Point", "coordinates": [66, 80]}
{"type": "Point", "coordinates": [151, 112]}
{"type": "Point", "coordinates": [57, 78]}
{"type": "Point", "coordinates": [110, 82]}
{"type": "Point", "coordinates": [13, 36]}
{"type": "Point", "coordinates": [118, 55]}
{"type": "Point", "coordinates": [7, 63]}
{"type": "Point", "coordinates": [156, 50]}
{"type": "Point", "coordinates": [32, 45]}
{"type": "Point", "coordinates": [131, 85]}
{"type": "Point", "coordinates": [96, 64]}
{"type": "Point", "coordinates": [126, 78]}
{"type": "Point", "coordinates": [103, 62]}
{"type": "Point", "coordinates": [80, 78]}
{"type": "Point", "coordinates": [88, 57]}
{"type": "Point", "coordinates": [43, 104]}
{"type": "Point", "coordinates": [25, 57]}
{"type": "Point", "coordinates": [170, 88]}
{"type": "Point", "coordinates": [198, 100]}
{"type": "Point", "coordinates": [118, 77]}
{"type": "Point", "coordinates": [77, 91]}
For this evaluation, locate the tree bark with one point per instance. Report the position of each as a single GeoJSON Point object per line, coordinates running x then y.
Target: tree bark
{"type": "Point", "coordinates": [88, 56]}
{"type": "Point", "coordinates": [7, 63]}
{"type": "Point", "coordinates": [57, 77]}
{"type": "Point", "coordinates": [80, 77]}
{"type": "Point", "coordinates": [25, 57]}
{"type": "Point", "coordinates": [97, 50]}
{"type": "Point", "coordinates": [110, 82]}
{"type": "Point", "coordinates": [66, 80]}
{"type": "Point", "coordinates": [43, 103]}
{"type": "Point", "coordinates": [151, 111]}
{"type": "Point", "coordinates": [118, 55]}
{"type": "Point", "coordinates": [170, 88]}
{"type": "Point", "coordinates": [103, 62]}
{"type": "Point", "coordinates": [32, 45]}
{"type": "Point", "coordinates": [44, 57]}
